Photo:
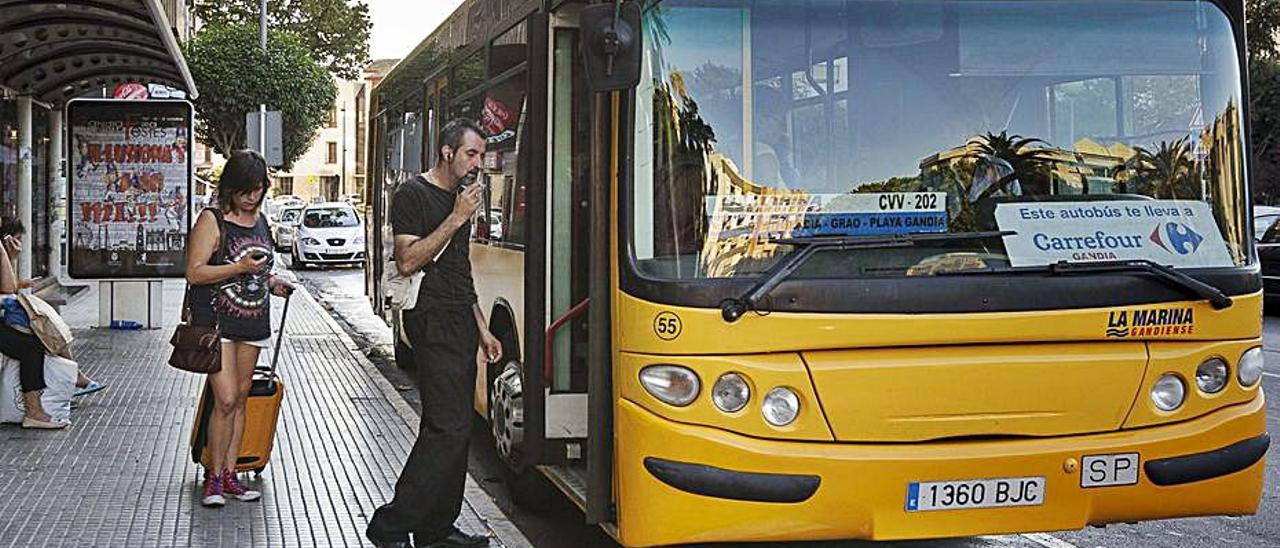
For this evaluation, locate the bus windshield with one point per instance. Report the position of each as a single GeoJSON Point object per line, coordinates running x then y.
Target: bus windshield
{"type": "Point", "coordinates": [1048, 130]}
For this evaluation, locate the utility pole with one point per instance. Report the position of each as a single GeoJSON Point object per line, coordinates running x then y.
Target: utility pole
{"type": "Point", "coordinates": [262, 107]}
{"type": "Point", "coordinates": [343, 180]}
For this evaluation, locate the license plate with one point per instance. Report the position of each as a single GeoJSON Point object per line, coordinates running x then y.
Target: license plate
{"type": "Point", "coordinates": [1109, 470]}
{"type": "Point", "coordinates": [978, 493]}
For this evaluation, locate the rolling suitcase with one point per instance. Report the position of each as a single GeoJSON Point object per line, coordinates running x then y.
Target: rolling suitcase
{"type": "Point", "coordinates": [262, 413]}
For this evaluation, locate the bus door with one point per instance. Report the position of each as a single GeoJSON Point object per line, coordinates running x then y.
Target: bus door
{"type": "Point", "coordinates": [568, 246]}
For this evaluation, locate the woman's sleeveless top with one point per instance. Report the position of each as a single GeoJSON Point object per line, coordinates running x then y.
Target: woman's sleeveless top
{"type": "Point", "coordinates": [242, 303]}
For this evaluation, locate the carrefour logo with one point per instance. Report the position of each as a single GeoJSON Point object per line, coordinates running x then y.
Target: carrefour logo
{"type": "Point", "coordinates": [1176, 238]}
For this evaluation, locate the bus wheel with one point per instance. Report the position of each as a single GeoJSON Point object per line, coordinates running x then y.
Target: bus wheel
{"type": "Point", "coordinates": [506, 414]}
{"type": "Point", "coordinates": [506, 419]}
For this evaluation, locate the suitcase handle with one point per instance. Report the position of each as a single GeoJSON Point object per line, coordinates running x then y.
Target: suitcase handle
{"type": "Point", "coordinates": [275, 357]}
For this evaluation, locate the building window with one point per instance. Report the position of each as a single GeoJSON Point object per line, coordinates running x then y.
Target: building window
{"type": "Point", "coordinates": [333, 115]}
{"type": "Point", "coordinates": [332, 158]}
{"type": "Point", "coordinates": [284, 186]}
{"type": "Point", "coordinates": [208, 155]}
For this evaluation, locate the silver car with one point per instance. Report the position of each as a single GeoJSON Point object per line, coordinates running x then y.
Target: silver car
{"type": "Point", "coordinates": [287, 227]}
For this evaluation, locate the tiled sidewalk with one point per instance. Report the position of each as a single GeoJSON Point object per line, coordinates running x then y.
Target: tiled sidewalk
{"type": "Point", "coordinates": [122, 474]}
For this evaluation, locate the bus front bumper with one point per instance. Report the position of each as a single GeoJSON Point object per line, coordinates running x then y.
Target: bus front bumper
{"type": "Point", "coordinates": [681, 483]}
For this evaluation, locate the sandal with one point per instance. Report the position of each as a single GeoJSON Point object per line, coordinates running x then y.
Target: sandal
{"type": "Point", "coordinates": [51, 424]}
{"type": "Point", "coordinates": [92, 387]}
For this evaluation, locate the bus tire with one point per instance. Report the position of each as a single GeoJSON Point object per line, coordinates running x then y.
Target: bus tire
{"type": "Point", "coordinates": [506, 414]}
{"type": "Point", "coordinates": [506, 425]}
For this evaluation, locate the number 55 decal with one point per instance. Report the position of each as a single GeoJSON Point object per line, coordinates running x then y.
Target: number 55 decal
{"type": "Point", "coordinates": [667, 326]}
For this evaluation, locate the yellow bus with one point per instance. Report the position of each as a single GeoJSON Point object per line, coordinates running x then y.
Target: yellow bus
{"type": "Point", "coordinates": [854, 269]}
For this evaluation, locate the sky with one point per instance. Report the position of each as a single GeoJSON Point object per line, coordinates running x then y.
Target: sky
{"type": "Point", "coordinates": [398, 25]}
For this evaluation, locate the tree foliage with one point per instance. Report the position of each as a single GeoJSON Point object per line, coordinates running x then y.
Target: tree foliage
{"type": "Point", "coordinates": [1025, 155]}
{"type": "Point", "coordinates": [1264, 96]}
{"type": "Point", "coordinates": [1167, 172]}
{"type": "Point", "coordinates": [335, 31]}
{"type": "Point", "coordinates": [235, 76]}
{"type": "Point", "coordinates": [1263, 20]}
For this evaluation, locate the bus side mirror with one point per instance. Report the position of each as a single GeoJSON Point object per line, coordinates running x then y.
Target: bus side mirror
{"type": "Point", "coordinates": [611, 45]}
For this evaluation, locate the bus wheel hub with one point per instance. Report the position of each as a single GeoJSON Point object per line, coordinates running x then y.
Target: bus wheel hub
{"type": "Point", "coordinates": [506, 412]}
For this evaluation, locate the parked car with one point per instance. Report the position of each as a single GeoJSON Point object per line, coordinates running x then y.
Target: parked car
{"type": "Point", "coordinates": [329, 233]}
{"type": "Point", "coordinates": [274, 207]}
{"type": "Point", "coordinates": [495, 224]}
{"type": "Point", "coordinates": [1266, 235]}
{"type": "Point", "coordinates": [285, 228]}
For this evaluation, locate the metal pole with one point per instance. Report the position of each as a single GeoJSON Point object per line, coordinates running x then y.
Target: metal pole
{"type": "Point", "coordinates": [25, 159]}
{"type": "Point", "coordinates": [262, 108]}
{"type": "Point", "coordinates": [343, 183]}
{"type": "Point", "coordinates": [57, 191]}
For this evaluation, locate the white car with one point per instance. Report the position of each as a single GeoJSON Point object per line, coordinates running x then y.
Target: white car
{"type": "Point", "coordinates": [330, 233]}
{"type": "Point", "coordinates": [287, 226]}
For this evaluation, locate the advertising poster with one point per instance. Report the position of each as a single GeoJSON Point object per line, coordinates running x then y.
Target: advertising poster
{"type": "Point", "coordinates": [1179, 233]}
{"type": "Point", "coordinates": [129, 188]}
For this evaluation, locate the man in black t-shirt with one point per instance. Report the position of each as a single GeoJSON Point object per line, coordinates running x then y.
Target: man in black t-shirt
{"type": "Point", "coordinates": [431, 219]}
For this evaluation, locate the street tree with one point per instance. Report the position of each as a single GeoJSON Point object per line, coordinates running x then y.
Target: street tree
{"type": "Point", "coordinates": [234, 76]}
{"type": "Point", "coordinates": [1262, 28]}
{"type": "Point", "coordinates": [335, 31]}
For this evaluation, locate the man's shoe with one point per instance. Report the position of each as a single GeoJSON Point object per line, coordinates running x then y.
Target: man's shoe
{"type": "Point", "coordinates": [379, 543]}
{"type": "Point", "coordinates": [459, 539]}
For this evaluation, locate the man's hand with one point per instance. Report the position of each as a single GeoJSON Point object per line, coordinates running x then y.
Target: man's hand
{"type": "Point", "coordinates": [468, 201]}
{"type": "Point", "coordinates": [26, 284]}
{"type": "Point", "coordinates": [491, 346]}
{"type": "Point", "coordinates": [281, 287]}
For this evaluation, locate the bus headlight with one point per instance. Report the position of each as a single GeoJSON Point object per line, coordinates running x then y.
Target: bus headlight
{"type": "Point", "coordinates": [1250, 368]}
{"type": "Point", "coordinates": [730, 393]}
{"type": "Point", "coordinates": [672, 384]}
{"type": "Point", "coordinates": [1211, 376]}
{"type": "Point", "coordinates": [1168, 392]}
{"type": "Point", "coordinates": [781, 406]}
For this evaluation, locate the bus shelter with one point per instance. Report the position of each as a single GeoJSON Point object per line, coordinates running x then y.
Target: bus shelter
{"type": "Point", "coordinates": [52, 51]}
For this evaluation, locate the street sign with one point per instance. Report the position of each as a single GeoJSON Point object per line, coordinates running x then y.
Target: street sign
{"type": "Point", "coordinates": [274, 152]}
{"type": "Point", "coordinates": [159, 91]}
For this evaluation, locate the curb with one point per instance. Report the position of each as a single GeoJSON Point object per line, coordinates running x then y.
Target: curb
{"type": "Point", "coordinates": [506, 532]}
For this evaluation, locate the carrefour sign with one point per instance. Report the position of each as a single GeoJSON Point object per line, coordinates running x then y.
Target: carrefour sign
{"type": "Point", "coordinates": [1172, 232]}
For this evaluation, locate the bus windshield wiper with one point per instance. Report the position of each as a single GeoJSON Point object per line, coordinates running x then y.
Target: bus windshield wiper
{"type": "Point", "coordinates": [732, 309]}
{"type": "Point", "coordinates": [1166, 274]}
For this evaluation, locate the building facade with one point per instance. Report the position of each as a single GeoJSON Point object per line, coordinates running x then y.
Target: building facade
{"type": "Point", "coordinates": [333, 169]}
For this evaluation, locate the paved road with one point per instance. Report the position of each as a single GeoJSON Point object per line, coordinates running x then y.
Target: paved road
{"type": "Point", "coordinates": [558, 524]}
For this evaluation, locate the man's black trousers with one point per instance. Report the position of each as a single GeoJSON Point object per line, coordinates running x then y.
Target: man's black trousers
{"type": "Point", "coordinates": [429, 493]}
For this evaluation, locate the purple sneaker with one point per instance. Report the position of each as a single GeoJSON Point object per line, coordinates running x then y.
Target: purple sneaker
{"type": "Point", "coordinates": [231, 486]}
{"type": "Point", "coordinates": [213, 492]}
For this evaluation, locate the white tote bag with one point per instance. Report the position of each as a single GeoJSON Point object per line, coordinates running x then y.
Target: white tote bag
{"type": "Point", "coordinates": [403, 291]}
{"type": "Point", "coordinates": [60, 376]}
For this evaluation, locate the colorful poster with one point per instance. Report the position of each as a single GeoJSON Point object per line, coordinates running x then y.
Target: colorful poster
{"type": "Point", "coordinates": [129, 188]}
{"type": "Point", "coordinates": [498, 120]}
{"type": "Point", "coordinates": [1181, 233]}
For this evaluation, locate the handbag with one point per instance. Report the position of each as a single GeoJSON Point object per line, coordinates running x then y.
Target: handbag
{"type": "Point", "coordinates": [198, 348]}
